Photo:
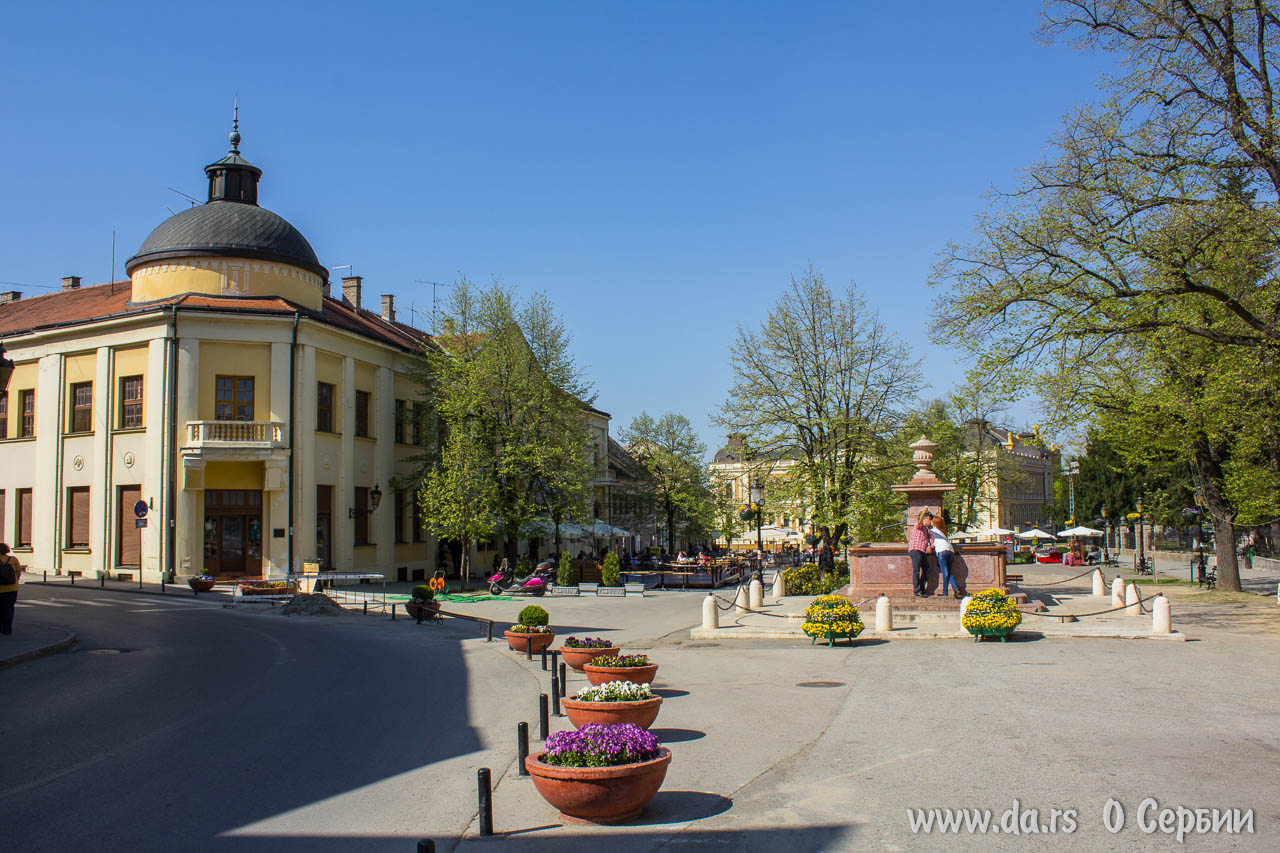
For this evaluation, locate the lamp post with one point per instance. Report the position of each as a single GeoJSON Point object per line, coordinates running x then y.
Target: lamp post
{"type": "Point", "coordinates": [757, 504]}
{"type": "Point", "coordinates": [1106, 535]}
{"type": "Point", "coordinates": [1140, 558]}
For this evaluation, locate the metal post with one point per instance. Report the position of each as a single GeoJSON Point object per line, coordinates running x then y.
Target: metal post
{"type": "Point", "coordinates": [73, 578]}
{"type": "Point", "coordinates": [522, 747]}
{"type": "Point", "coordinates": [489, 639]}
{"type": "Point", "coordinates": [366, 613]}
{"type": "Point", "coordinates": [544, 723]}
{"type": "Point", "coordinates": [393, 611]}
{"type": "Point", "coordinates": [528, 649]}
{"type": "Point", "coordinates": [486, 801]}
{"type": "Point", "coordinates": [544, 658]}
{"type": "Point", "coordinates": [102, 581]}
{"type": "Point", "coordinates": [555, 693]}
{"type": "Point", "coordinates": [139, 577]}
{"type": "Point", "coordinates": [564, 680]}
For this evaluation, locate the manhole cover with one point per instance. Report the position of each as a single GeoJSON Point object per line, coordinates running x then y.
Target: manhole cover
{"type": "Point", "coordinates": [821, 684]}
{"type": "Point", "coordinates": [702, 646]}
{"type": "Point", "coordinates": [105, 651]}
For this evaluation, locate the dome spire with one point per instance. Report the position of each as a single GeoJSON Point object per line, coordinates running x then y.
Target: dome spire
{"type": "Point", "coordinates": [234, 137]}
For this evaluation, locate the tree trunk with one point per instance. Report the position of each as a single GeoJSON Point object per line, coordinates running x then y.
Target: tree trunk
{"type": "Point", "coordinates": [465, 563]}
{"type": "Point", "coordinates": [1221, 513]}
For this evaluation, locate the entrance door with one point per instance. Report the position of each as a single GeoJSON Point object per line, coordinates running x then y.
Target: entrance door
{"type": "Point", "coordinates": [128, 534]}
{"type": "Point", "coordinates": [233, 531]}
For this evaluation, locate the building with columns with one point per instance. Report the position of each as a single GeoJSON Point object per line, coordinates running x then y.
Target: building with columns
{"type": "Point", "coordinates": [220, 410]}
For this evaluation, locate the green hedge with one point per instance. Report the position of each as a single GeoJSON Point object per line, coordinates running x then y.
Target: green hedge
{"type": "Point", "coordinates": [807, 580]}
{"type": "Point", "coordinates": [610, 570]}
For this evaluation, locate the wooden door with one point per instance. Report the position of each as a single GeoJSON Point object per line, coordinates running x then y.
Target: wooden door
{"type": "Point", "coordinates": [128, 534]}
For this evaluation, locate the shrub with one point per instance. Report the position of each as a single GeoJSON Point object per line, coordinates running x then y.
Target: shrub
{"type": "Point", "coordinates": [623, 660]}
{"type": "Point", "coordinates": [610, 573]}
{"type": "Point", "coordinates": [597, 745]}
{"type": "Point", "coordinates": [615, 691]}
{"type": "Point", "coordinates": [534, 615]}
{"type": "Point", "coordinates": [831, 614]}
{"type": "Point", "coordinates": [422, 592]}
{"type": "Point", "coordinates": [807, 580]}
{"type": "Point", "coordinates": [564, 575]}
{"type": "Point", "coordinates": [991, 610]}
{"type": "Point", "coordinates": [524, 567]}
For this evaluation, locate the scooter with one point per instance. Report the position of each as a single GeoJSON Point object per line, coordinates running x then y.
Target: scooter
{"type": "Point", "coordinates": [504, 583]}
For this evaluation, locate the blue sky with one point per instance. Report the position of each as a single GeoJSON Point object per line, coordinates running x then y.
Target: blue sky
{"type": "Point", "coordinates": [660, 169]}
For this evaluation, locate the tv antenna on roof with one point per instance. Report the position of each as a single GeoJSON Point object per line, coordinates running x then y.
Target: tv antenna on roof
{"type": "Point", "coordinates": [435, 299]}
{"type": "Point", "coordinates": [194, 201]}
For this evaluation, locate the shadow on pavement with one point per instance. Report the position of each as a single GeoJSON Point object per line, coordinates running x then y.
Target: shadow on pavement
{"type": "Point", "coordinates": [677, 735]}
{"type": "Point", "coordinates": [669, 692]}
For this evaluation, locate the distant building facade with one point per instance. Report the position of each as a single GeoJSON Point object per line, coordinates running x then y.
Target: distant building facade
{"type": "Point", "coordinates": [1015, 482]}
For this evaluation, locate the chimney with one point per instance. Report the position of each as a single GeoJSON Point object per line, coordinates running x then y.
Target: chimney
{"type": "Point", "coordinates": [71, 282]}
{"type": "Point", "coordinates": [388, 307]}
{"type": "Point", "coordinates": [351, 289]}
{"type": "Point", "coordinates": [10, 296]}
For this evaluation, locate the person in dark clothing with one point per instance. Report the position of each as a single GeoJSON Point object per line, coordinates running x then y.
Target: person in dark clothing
{"type": "Point", "coordinates": [10, 571]}
{"type": "Point", "coordinates": [826, 560]}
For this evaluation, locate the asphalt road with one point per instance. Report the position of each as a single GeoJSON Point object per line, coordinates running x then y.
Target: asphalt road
{"type": "Point", "coordinates": [176, 724]}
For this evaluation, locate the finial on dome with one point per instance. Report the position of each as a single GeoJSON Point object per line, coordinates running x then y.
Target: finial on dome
{"type": "Point", "coordinates": [234, 136]}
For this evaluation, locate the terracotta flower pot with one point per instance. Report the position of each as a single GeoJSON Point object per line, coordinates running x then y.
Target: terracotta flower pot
{"type": "Point", "coordinates": [576, 658]}
{"type": "Point", "coordinates": [429, 607]}
{"type": "Point", "coordinates": [519, 642]}
{"type": "Point", "coordinates": [641, 712]}
{"type": "Point", "coordinates": [634, 674]}
{"type": "Point", "coordinates": [201, 585]}
{"type": "Point", "coordinates": [599, 794]}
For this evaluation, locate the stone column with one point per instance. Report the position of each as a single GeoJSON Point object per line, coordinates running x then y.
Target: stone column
{"type": "Point", "coordinates": [101, 519]}
{"type": "Point", "coordinates": [46, 497]}
{"type": "Point", "coordinates": [344, 492]}
{"type": "Point", "coordinates": [153, 465]}
{"type": "Point", "coordinates": [382, 522]}
{"type": "Point", "coordinates": [304, 459]}
{"type": "Point", "coordinates": [189, 510]}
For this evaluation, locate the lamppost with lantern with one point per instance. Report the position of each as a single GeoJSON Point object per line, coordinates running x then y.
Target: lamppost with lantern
{"type": "Point", "coordinates": [1106, 536]}
{"type": "Point", "coordinates": [1140, 560]}
{"type": "Point", "coordinates": [757, 504]}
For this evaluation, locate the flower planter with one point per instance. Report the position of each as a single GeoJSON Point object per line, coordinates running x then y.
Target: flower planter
{"type": "Point", "coordinates": [577, 658]}
{"type": "Point", "coordinates": [599, 794]}
{"type": "Point", "coordinates": [428, 608]}
{"type": "Point", "coordinates": [979, 633]}
{"type": "Point", "coordinates": [832, 636]}
{"type": "Point", "coordinates": [640, 713]}
{"type": "Point", "coordinates": [635, 674]}
{"type": "Point", "coordinates": [199, 585]}
{"type": "Point", "coordinates": [535, 642]}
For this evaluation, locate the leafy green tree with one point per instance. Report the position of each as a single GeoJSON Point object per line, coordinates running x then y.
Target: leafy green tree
{"type": "Point", "coordinates": [565, 575]}
{"type": "Point", "coordinates": [610, 570]}
{"type": "Point", "coordinates": [671, 455]}
{"type": "Point", "coordinates": [824, 383]}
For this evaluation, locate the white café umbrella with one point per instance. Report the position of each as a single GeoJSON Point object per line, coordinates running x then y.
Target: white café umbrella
{"type": "Point", "coordinates": [1037, 534]}
{"type": "Point", "coordinates": [1079, 531]}
{"type": "Point", "coordinates": [992, 531]}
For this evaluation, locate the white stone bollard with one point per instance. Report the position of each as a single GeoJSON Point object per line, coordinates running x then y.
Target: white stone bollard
{"type": "Point", "coordinates": [1161, 622]}
{"type": "Point", "coordinates": [884, 614]}
{"type": "Point", "coordinates": [1117, 592]}
{"type": "Point", "coordinates": [1099, 584]}
{"type": "Point", "coordinates": [964, 604]}
{"type": "Point", "coordinates": [779, 584]}
{"type": "Point", "coordinates": [755, 595]}
{"type": "Point", "coordinates": [710, 613]}
{"type": "Point", "coordinates": [740, 600]}
{"type": "Point", "coordinates": [1131, 605]}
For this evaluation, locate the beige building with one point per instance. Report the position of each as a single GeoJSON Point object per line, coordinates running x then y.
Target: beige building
{"type": "Point", "coordinates": [1015, 476]}
{"type": "Point", "coordinates": [221, 410]}
{"type": "Point", "coordinates": [732, 471]}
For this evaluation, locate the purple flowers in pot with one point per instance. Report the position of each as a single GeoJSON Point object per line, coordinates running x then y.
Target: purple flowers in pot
{"type": "Point", "coordinates": [597, 745]}
{"type": "Point", "coordinates": [587, 643]}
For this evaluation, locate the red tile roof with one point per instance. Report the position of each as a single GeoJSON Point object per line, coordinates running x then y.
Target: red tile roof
{"type": "Point", "coordinates": [102, 301]}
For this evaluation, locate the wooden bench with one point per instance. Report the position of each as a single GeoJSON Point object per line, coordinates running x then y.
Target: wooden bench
{"type": "Point", "coordinates": [1013, 579]}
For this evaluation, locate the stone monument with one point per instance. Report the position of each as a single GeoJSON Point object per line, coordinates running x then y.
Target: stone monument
{"type": "Point", "coordinates": [883, 568]}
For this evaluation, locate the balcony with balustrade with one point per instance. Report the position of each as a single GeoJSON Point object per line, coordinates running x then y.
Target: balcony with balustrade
{"type": "Point", "coordinates": [235, 435]}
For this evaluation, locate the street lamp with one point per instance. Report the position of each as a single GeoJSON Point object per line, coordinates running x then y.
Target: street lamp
{"type": "Point", "coordinates": [1140, 559]}
{"type": "Point", "coordinates": [757, 505]}
{"type": "Point", "coordinates": [375, 498]}
{"type": "Point", "coordinates": [1106, 535]}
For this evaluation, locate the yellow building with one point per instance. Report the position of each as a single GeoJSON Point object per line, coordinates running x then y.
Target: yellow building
{"type": "Point", "coordinates": [221, 410]}
{"type": "Point", "coordinates": [733, 470]}
{"type": "Point", "coordinates": [1015, 473]}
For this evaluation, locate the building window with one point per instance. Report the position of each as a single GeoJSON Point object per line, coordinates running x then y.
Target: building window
{"type": "Point", "coordinates": [131, 402]}
{"type": "Point", "coordinates": [81, 419]}
{"type": "Point", "coordinates": [22, 531]}
{"type": "Point", "coordinates": [27, 399]}
{"type": "Point", "coordinates": [362, 515]}
{"type": "Point", "coordinates": [78, 517]}
{"type": "Point", "coordinates": [401, 406]}
{"type": "Point", "coordinates": [419, 424]}
{"type": "Point", "coordinates": [415, 518]}
{"type": "Point", "coordinates": [362, 414]}
{"type": "Point", "coordinates": [234, 398]}
{"type": "Point", "coordinates": [4, 424]}
{"type": "Point", "coordinates": [324, 407]}
{"type": "Point", "coordinates": [399, 503]}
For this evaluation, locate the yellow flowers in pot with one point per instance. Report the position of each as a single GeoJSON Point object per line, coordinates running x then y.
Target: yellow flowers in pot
{"type": "Point", "coordinates": [831, 616]}
{"type": "Point", "coordinates": [991, 611]}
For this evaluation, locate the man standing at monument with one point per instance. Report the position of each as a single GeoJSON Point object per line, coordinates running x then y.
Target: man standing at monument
{"type": "Point", "coordinates": [918, 546]}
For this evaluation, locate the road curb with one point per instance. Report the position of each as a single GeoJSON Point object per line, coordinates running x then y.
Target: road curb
{"type": "Point", "coordinates": [43, 651]}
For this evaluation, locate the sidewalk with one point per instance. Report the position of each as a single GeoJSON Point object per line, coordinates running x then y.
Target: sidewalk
{"type": "Point", "coordinates": [31, 640]}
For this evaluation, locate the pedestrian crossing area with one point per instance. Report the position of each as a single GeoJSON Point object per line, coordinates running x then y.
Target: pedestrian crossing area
{"type": "Point", "coordinates": [133, 604]}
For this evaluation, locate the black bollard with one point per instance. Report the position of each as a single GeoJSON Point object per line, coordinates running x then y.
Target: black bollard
{"type": "Point", "coordinates": [544, 724]}
{"type": "Point", "coordinates": [544, 658]}
{"type": "Point", "coordinates": [486, 802]}
{"type": "Point", "coordinates": [555, 694]}
{"type": "Point", "coordinates": [162, 584]}
{"type": "Point", "coordinates": [393, 611]}
{"type": "Point", "coordinates": [528, 649]}
{"type": "Point", "coordinates": [139, 578]}
{"type": "Point", "coordinates": [46, 576]}
{"type": "Point", "coordinates": [426, 845]}
{"type": "Point", "coordinates": [564, 680]}
{"type": "Point", "coordinates": [73, 578]}
{"type": "Point", "coordinates": [102, 581]}
{"type": "Point", "coordinates": [366, 613]}
{"type": "Point", "coordinates": [522, 746]}
{"type": "Point", "coordinates": [489, 638]}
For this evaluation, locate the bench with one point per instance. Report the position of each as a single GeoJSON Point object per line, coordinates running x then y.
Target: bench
{"type": "Point", "coordinates": [1207, 578]}
{"type": "Point", "coordinates": [1013, 579]}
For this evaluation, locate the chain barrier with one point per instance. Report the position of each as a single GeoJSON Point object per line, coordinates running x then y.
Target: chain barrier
{"type": "Point", "coordinates": [729, 605]}
{"type": "Point", "coordinates": [1067, 580]}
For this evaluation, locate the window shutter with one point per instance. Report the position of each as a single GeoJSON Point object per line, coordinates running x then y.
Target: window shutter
{"type": "Point", "coordinates": [24, 517]}
{"type": "Point", "coordinates": [79, 521]}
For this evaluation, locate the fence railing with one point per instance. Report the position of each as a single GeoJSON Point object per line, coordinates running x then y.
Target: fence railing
{"type": "Point", "coordinates": [241, 433]}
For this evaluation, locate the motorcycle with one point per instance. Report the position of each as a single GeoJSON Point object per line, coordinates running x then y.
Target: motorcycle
{"type": "Point", "coordinates": [504, 582]}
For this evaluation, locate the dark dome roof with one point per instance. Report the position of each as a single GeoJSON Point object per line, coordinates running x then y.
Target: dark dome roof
{"type": "Point", "coordinates": [229, 229]}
